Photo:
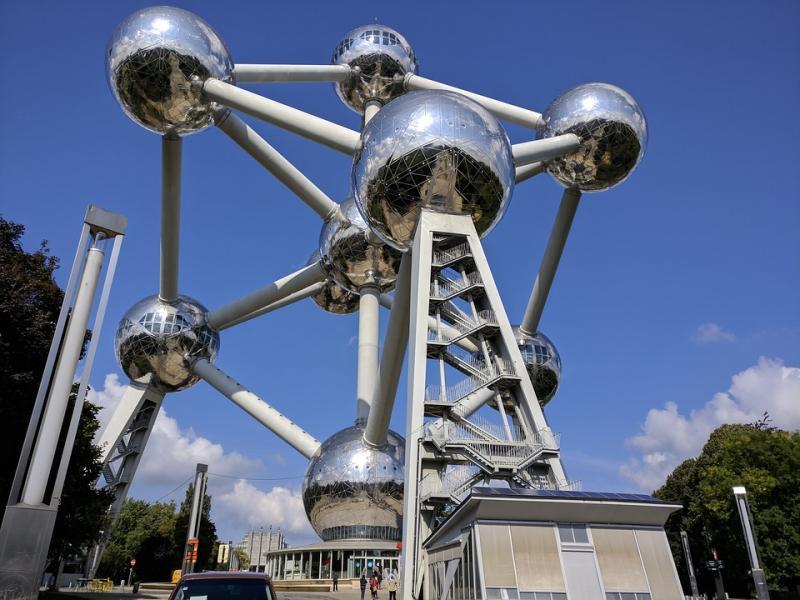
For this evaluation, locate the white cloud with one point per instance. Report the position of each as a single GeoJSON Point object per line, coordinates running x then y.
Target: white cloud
{"type": "Point", "coordinates": [246, 507]}
{"type": "Point", "coordinates": [709, 333]}
{"type": "Point", "coordinates": [668, 437]}
{"type": "Point", "coordinates": [171, 455]}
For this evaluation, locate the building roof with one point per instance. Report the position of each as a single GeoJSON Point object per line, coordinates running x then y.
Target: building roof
{"type": "Point", "coordinates": [527, 505]}
{"type": "Point", "coordinates": [342, 545]}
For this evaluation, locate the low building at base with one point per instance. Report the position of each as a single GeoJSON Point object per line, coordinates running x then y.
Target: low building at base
{"type": "Point", "coordinates": [347, 558]}
{"type": "Point", "coordinates": [552, 545]}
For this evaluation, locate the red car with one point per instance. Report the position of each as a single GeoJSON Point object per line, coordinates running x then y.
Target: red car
{"type": "Point", "coordinates": [221, 585]}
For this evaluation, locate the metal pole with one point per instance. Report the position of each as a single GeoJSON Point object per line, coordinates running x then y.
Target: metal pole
{"type": "Point", "coordinates": [550, 260]}
{"type": "Point", "coordinates": [171, 150]}
{"type": "Point", "coordinates": [394, 348]}
{"type": "Point", "coordinates": [759, 579]}
{"type": "Point", "coordinates": [278, 165]}
{"type": "Point", "coordinates": [273, 420]}
{"type": "Point", "coordinates": [249, 73]}
{"type": "Point", "coordinates": [502, 110]}
{"type": "Point", "coordinates": [47, 440]}
{"type": "Point", "coordinates": [687, 553]}
{"type": "Point", "coordinates": [309, 126]}
{"type": "Point", "coordinates": [240, 310]}
{"type": "Point", "coordinates": [368, 339]}
{"type": "Point", "coordinates": [544, 149]}
{"type": "Point", "coordinates": [196, 514]}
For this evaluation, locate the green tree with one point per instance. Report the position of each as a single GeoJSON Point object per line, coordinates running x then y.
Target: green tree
{"type": "Point", "coordinates": [767, 462]}
{"type": "Point", "coordinates": [208, 530]}
{"type": "Point", "coordinates": [81, 514]}
{"type": "Point", "coordinates": [30, 301]}
{"type": "Point", "coordinates": [144, 532]}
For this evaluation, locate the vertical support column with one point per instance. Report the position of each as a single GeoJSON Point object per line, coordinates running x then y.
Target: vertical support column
{"type": "Point", "coordinates": [192, 543]}
{"type": "Point", "coordinates": [368, 339]}
{"type": "Point", "coordinates": [413, 528]}
{"type": "Point", "coordinates": [759, 580]}
{"type": "Point", "coordinates": [47, 440]}
{"type": "Point", "coordinates": [171, 150]}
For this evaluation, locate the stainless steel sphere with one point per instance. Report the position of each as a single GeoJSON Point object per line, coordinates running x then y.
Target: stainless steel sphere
{"type": "Point", "coordinates": [156, 340]}
{"type": "Point", "coordinates": [612, 130]}
{"type": "Point", "coordinates": [542, 363]}
{"type": "Point", "coordinates": [380, 57]}
{"type": "Point", "coordinates": [353, 490]}
{"type": "Point", "coordinates": [431, 149]}
{"type": "Point", "coordinates": [354, 255]}
{"type": "Point", "coordinates": [152, 60]}
{"type": "Point", "coordinates": [333, 298]}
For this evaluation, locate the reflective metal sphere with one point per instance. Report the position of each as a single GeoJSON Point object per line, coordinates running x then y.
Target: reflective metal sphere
{"type": "Point", "coordinates": [352, 490]}
{"type": "Point", "coordinates": [333, 298]}
{"type": "Point", "coordinates": [382, 57]}
{"type": "Point", "coordinates": [542, 363]}
{"type": "Point", "coordinates": [152, 59]}
{"type": "Point", "coordinates": [354, 255]}
{"type": "Point", "coordinates": [155, 341]}
{"type": "Point", "coordinates": [611, 127]}
{"type": "Point", "coordinates": [432, 149]}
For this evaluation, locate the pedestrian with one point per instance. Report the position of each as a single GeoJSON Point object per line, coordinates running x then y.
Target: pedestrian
{"type": "Point", "coordinates": [374, 585]}
{"type": "Point", "coordinates": [392, 585]}
{"type": "Point", "coordinates": [335, 581]}
{"type": "Point", "coordinates": [363, 582]}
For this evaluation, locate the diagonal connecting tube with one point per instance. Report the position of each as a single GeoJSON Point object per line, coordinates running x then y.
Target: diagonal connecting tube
{"type": "Point", "coordinates": [286, 301]}
{"type": "Point", "coordinates": [526, 172]}
{"type": "Point", "coordinates": [550, 260]}
{"type": "Point", "coordinates": [309, 126]}
{"type": "Point", "coordinates": [270, 418]}
{"type": "Point", "coordinates": [248, 307]}
{"type": "Point", "coordinates": [171, 150]}
{"type": "Point", "coordinates": [394, 348]}
{"type": "Point", "coordinates": [544, 149]}
{"type": "Point", "coordinates": [277, 164]}
{"type": "Point", "coordinates": [502, 110]}
{"type": "Point", "coordinates": [245, 73]}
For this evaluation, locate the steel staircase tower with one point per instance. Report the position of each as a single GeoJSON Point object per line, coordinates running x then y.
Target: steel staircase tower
{"type": "Point", "coordinates": [473, 415]}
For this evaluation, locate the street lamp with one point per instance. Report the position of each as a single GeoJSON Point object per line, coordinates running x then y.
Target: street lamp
{"type": "Point", "coordinates": [750, 540]}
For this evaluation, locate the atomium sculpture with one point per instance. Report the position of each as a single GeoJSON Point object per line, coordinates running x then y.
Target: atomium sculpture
{"type": "Point", "coordinates": [433, 171]}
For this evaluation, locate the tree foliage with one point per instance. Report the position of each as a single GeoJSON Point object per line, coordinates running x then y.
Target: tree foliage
{"type": "Point", "coordinates": [83, 507]}
{"type": "Point", "coordinates": [767, 462]}
{"type": "Point", "coordinates": [30, 301]}
{"type": "Point", "coordinates": [155, 535]}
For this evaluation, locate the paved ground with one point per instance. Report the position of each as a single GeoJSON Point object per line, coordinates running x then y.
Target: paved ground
{"type": "Point", "coordinates": [343, 594]}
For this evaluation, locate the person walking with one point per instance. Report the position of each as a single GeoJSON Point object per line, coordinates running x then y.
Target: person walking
{"type": "Point", "coordinates": [363, 582]}
{"type": "Point", "coordinates": [392, 585]}
{"type": "Point", "coordinates": [374, 585]}
{"type": "Point", "coordinates": [335, 581]}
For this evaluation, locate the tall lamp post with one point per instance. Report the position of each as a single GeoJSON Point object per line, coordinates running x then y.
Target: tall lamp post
{"type": "Point", "coordinates": [760, 581]}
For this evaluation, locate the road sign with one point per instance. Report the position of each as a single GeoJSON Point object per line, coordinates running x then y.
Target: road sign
{"type": "Point", "coordinates": [133, 562]}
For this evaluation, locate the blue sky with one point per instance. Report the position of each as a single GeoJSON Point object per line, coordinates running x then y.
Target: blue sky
{"type": "Point", "coordinates": [671, 289]}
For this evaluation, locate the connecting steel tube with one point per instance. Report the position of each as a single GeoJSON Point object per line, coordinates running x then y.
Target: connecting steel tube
{"type": "Point", "coordinates": [544, 149]}
{"type": "Point", "coordinates": [278, 165]}
{"type": "Point", "coordinates": [246, 73]}
{"type": "Point", "coordinates": [395, 343]}
{"type": "Point", "coordinates": [309, 126]}
{"type": "Point", "coordinates": [56, 407]}
{"type": "Point", "coordinates": [171, 150]}
{"type": "Point", "coordinates": [371, 109]}
{"type": "Point", "coordinates": [468, 405]}
{"type": "Point", "coordinates": [368, 339]}
{"type": "Point", "coordinates": [532, 170]}
{"type": "Point", "coordinates": [550, 260]}
{"type": "Point", "coordinates": [241, 310]}
{"type": "Point", "coordinates": [290, 299]}
{"type": "Point", "coordinates": [502, 110]}
{"type": "Point", "coordinates": [273, 420]}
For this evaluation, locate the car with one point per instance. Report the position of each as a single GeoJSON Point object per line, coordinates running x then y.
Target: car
{"type": "Point", "coordinates": [219, 585]}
